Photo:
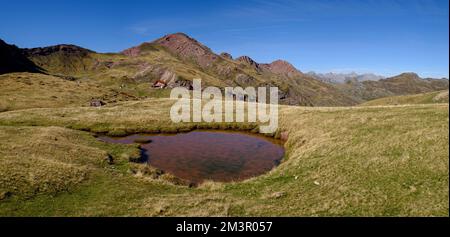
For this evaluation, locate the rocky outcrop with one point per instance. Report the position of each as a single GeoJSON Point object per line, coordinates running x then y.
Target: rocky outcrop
{"type": "Point", "coordinates": [180, 58]}
{"type": "Point", "coordinates": [161, 77]}
{"type": "Point", "coordinates": [244, 80]}
{"type": "Point", "coordinates": [283, 68]}
{"type": "Point", "coordinates": [279, 67]}
{"type": "Point", "coordinates": [188, 49]}
{"type": "Point", "coordinates": [96, 103]}
{"type": "Point", "coordinates": [166, 79]}
{"type": "Point", "coordinates": [132, 52]}
{"type": "Point", "coordinates": [249, 62]}
{"type": "Point", "coordinates": [140, 49]}
{"type": "Point", "coordinates": [226, 55]}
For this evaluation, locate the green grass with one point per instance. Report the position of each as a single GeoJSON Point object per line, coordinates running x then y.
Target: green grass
{"type": "Point", "coordinates": [355, 161]}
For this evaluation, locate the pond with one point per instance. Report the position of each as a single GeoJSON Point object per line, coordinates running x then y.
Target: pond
{"type": "Point", "coordinates": [208, 155]}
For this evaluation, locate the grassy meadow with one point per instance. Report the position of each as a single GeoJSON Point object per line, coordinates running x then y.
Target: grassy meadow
{"type": "Point", "coordinates": [340, 161]}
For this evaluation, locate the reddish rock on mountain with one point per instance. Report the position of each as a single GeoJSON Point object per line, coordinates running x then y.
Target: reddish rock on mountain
{"type": "Point", "coordinates": [132, 52]}
{"type": "Point", "coordinates": [176, 59]}
{"type": "Point", "coordinates": [188, 48]}
{"type": "Point", "coordinates": [282, 67]}
{"type": "Point", "coordinates": [249, 61]}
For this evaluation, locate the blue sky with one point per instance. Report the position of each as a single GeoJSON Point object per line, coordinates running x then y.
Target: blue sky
{"type": "Point", "coordinates": [381, 36]}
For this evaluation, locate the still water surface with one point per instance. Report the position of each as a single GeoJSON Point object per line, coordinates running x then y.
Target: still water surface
{"type": "Point", "coordinates": [208, 155]}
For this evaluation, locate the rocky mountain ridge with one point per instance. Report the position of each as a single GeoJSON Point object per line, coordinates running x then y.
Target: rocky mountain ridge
{"type": "Point", "coordinates": [177, 59]}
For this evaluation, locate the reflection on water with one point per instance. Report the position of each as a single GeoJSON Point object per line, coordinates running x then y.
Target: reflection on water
{"type": "Point", "coordinates": [208, 155]}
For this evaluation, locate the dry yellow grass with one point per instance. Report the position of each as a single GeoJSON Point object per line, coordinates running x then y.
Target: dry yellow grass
{"type": "Point", "coordinates": [34, 90]}
{"type": "Point", "coordinates": [423, 98]}
{"type": "Point", "coordinates": [47, 159]}
{"type": "Point", "coordinates": [354, 161]}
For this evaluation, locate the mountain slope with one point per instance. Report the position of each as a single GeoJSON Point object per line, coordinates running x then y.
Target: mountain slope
{"type": "Point", "coordinates": [221, 70]}
{"type": "Point", "coordinates": [60, 59]}
{"type": "Point", "coordinates": [13, 60]}
{"type": "Point", "coordinates": [403, 84]}
{"type": "Point", "coordinates": [188, 48]}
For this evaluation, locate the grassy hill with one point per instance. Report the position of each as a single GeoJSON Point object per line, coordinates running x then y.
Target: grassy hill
{"type": "Point", "coordinates": [360, 161]}
{"type": "Point", "coordinates": [403, 84]}
{"type": "Point", "coordinates": [423, 98]}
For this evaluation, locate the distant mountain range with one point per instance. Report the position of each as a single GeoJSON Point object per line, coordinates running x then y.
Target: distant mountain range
{"type": "Point", "coordinates": [177, 59]}
{"type": "Point", "coordinates": [403, 84]}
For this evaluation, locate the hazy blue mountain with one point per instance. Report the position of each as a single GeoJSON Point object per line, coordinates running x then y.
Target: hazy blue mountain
{"type": "Point", "coordinates": [334, 78]}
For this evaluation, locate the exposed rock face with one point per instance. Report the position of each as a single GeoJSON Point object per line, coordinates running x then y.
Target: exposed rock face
{"type": "Point", "coordinates": [225, 70]}
{"type": "Point", "coordinates": [403, 84]}
{"type": "Point", "coordinates": [132, 52]}
{"type": "Point", "coordinates": [226, 55]}
{"type": "Point", "coordinates": [161, 77]}
{"type": "Point", "coordinates": [159, 84]}
{"type": "Point", "coordinates": [282, 67]}
{"type": "Point", "coordinates": [148, 72]}
{"type": "Point", "coordinates": [220, 71]}
{"type": "Point", "coordinates": [97, 103]}
{"type": "Point", "coordinates": [139, 50]}
{"type": "Point", "coordinates": [279, 67]}
{"type": "Point", "coordinates": [188, 49]}
{"type": "Point", "coordinates": [249, 61]}
{"type": "Point", "coordinates": [62, 59]}
{"type": "Point", "coordinates": [176, 59]}
{"type": "Point", "coordinates": [167, 79]}
{"type": "Point", "coordinates": [170, 81]}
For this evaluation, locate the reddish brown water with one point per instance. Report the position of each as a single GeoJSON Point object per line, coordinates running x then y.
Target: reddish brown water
{"type": "Point", "coordinates": [208, 155]}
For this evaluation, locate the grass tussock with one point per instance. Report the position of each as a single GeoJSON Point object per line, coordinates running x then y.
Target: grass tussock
{"type": "Point", "coordinates": [355, 161]}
